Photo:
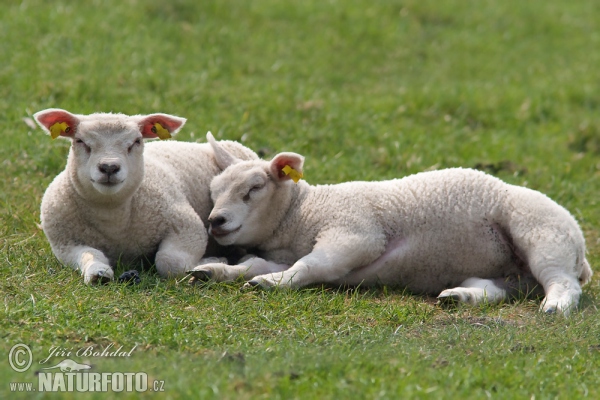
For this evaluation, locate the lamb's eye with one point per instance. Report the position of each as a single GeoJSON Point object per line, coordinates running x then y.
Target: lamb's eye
{"type": "Point", "coordinates": [254, 188]}
{"type": "Point", "coordinates": [137, 142]}
{"type": "Point", "coordinates": [85, 146]}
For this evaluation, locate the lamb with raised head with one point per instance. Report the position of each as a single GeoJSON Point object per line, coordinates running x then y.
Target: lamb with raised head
{"type": "Point", "coordinates": [121, 199]}
{"type": "Point", "coordinates": [457, 233]}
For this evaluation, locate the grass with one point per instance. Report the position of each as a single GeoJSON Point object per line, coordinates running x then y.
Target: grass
{"type": "Point", "coordinates": [366, 91]}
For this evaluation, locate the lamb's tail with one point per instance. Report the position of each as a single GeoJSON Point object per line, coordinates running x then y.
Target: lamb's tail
{"type": "Point", "coordinates": [587, 273]}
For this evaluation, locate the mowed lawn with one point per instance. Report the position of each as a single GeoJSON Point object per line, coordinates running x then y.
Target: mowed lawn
{"type": "Point", "coordinates": [366, 91]}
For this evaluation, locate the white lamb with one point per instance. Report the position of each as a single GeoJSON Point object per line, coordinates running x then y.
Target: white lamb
{"type": "Point", "coordinates": [121, 199]}
{"type": "Point", "coordinates": [457, 233]}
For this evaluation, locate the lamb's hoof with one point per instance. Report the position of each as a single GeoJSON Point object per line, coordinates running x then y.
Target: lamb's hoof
{"type": "Point", "coordinates": [448, 300]}
{"type": "Point", "coordinates": [98, 274]}
{"type": "Point", "coordinates": [101, 279]}
{"type": "Point", "coordinates": [131, 277]}
{"type": "Point", "coordinates": [201, 275]}
{"type": "Point", "coordinates": [550, 308]}
{"type": "Point", "coordinates": [250, 285]}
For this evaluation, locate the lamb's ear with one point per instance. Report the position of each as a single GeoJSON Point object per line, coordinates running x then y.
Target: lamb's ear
{"type": "Point", "coordinates": [223, 158]}
{"type": "Point", "coordinates": [287, 166]}
{"type": "Point", "coordinates": [57, 122]}
{"type": "Point", "coordinates": [162, 126]}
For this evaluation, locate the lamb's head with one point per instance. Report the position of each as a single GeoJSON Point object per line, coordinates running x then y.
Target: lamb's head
{"type": "Point", "coordinates": [106, 156]}
{"type": "Point", "coordinates": [247, 195]}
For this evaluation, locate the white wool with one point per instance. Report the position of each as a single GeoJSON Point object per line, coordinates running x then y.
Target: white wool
{"type": "Point", "coordinates": [154, 210]}
{"type": "Point", "coordinates": [459, 233]}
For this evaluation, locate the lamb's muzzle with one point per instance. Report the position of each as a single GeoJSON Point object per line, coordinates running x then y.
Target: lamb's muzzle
{"type": "Point", "coordinates": [217, 221]}
{"type": "Point", "coordinates": [109, 174]}
{"type": "Point", "coordinates": [216, 228]}
{"type": "Point", "coordinates": [109, 169]}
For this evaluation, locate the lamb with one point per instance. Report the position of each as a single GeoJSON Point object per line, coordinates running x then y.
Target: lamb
{"type": "Point", "coordinates": [121, 199]}
{"type": "Point", "coordinates": [457, 233]}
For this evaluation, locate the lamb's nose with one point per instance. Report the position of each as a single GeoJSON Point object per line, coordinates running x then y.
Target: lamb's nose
{"type": "Point", "coordinates": [109, 169]}
{"type": "Point", "coordinates": [217, 221]}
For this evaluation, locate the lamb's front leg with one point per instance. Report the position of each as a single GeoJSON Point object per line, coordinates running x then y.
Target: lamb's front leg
{"type": "Point", "coordinates": [333, 257]}
{"type": "Point", "coordinates": [248, 269]}
{"type": "Point", "coordinates": [92, 263]}
{"type": "Point", "coordinates": [181, 251]}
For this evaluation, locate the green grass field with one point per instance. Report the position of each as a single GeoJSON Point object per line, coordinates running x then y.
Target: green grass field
{"type": "Point", "coordinates": [366, 91]}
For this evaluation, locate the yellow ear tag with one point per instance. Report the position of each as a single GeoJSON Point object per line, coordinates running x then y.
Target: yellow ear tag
{"type": "Point", "coordinates": [161, 132]}
{"type": "Point", "coordinates": [295, 175]}
{"type": "Point", "coordinates": [57, 129]}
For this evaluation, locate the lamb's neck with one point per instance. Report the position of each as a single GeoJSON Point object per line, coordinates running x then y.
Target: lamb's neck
{"type": "Point", "coordinates": [119, 218]}
{"type": "Point", "coordinates": [281, 223]}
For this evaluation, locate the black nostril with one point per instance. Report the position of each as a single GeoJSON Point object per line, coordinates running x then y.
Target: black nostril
{"type": "Point", "coordinates": [109, 168]}
{"type": "Point", "coordinates": [217, 221]}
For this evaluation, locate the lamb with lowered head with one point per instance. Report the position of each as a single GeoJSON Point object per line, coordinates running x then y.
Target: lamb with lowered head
{"type": "Point", "coordinates": [121, 199]}
{"type": "Point", "coordinates": [457, 233]}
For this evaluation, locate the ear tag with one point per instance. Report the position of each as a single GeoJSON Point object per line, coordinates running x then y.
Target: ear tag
{"type": "Point", "coordinates": [295, 175]}
{"type": "Point", "coordinates": [57, 129]}
{"type": "Point", "coordinates": [161, 132]}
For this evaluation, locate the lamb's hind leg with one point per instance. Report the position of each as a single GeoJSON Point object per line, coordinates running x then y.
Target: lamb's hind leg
{"type": "Point", "coordinates": [476, 291]}
{"type": "Point", "coordinates": [557, 269]}
{"type": "Point", "coordinates": [562, 291]}
{"type": "Point", "coordinates": [492, 291]}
